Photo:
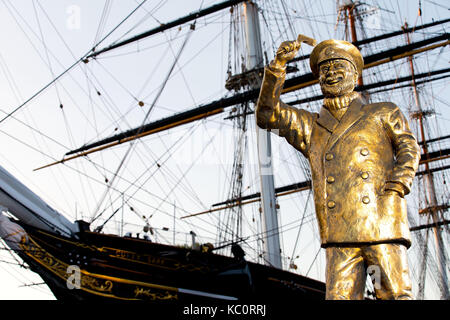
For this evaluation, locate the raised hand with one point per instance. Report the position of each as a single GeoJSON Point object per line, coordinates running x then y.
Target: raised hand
{"type": "Point", "coordinates": [289, 49]}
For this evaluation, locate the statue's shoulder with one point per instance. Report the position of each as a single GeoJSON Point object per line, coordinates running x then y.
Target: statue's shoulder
{"type": "Point", "coordinates": [380, 107]}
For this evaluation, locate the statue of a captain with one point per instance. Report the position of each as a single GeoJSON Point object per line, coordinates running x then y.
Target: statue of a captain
{"type": "Point", "coordinates": [363, 159]}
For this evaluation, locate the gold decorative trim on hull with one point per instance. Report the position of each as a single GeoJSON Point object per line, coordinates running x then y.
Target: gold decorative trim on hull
{"type": "Point", "coordinates": [147, 259]}
{"type": "Point", "coordinates": [97, 284]}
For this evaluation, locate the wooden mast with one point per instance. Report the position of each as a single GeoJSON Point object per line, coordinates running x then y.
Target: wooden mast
{"type": "Point", "coordinates": [351, 17]}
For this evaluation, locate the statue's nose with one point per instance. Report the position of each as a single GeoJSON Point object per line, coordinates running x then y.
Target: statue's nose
{"type": "Point", "coordinates": [331, 72]}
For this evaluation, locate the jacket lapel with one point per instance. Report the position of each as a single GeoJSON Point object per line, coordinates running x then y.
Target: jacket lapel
{"type": "Point", "coordinates": [326, 120]}
{"type": "Point", "coordinates": [352, 115]}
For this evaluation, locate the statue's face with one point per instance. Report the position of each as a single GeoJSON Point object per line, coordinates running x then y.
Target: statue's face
{"type": "Point", "coordinates": [337, 77]}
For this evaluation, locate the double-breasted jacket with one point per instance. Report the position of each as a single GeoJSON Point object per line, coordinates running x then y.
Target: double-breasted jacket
{"type": "Point", "coordinates": [353, 161]}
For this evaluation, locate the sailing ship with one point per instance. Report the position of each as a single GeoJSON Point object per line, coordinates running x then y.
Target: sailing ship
{"type": "Point", "coordinates": [146, 165]}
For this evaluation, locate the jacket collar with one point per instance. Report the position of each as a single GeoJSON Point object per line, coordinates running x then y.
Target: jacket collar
{"type": "Point", "coordinates": [352, 115]}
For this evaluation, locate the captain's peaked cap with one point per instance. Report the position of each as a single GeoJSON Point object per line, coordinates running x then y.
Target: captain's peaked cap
{"type": "Point", "coordinates": [335, 49]}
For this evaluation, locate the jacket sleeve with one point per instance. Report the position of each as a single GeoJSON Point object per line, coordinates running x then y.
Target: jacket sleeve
{"type": "Point", "coordinates": [407, 151]}
{"type": "Point", "coordinates": [291, 123]}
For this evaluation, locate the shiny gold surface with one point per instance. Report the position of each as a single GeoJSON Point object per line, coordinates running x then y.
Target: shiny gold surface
{"type": "Point", "coordinates": [363, 159]}
{"type": "Point", "coordinates": [346, 272]}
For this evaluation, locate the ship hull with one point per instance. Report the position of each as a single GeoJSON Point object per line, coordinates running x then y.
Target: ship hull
{"type": "Point", "coordinates": [95, 266]}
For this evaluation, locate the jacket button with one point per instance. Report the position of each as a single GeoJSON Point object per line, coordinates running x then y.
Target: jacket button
{"type": "Point", "coordinates": [365, 200]}
{"type": "Point", "coordinates": [364, 151]}
{"type": "Point", "coordinates": [329, 156]}
{"type": "Point", "coordinates": [364, 175]}
{"type": "Point", "coordinates": [330, 179]}
{"type": "Point", "coordinates": [331, 204]}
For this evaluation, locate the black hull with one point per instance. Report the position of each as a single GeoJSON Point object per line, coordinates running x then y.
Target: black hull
{"type": "Point", "coordinates": [106, 267]}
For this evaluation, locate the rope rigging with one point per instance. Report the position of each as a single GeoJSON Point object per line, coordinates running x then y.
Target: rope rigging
{"type": "Point", "coordinates": [155, 184]}
{"type": "Point", "coordinates": [69, 68]}
{"type": "Point", "coordinates": [143, 122]}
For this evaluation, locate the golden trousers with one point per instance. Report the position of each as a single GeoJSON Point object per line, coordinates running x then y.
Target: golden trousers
{"type": "Point", "coordinates": [348, 267]}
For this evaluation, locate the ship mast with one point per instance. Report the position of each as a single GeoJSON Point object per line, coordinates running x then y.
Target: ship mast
{"type": "Point", "coordinates": [254, 60]}
{"type": "Point", "coordinates": [430, 197]}
{"type": "Point", "coordinates": [350, 8]}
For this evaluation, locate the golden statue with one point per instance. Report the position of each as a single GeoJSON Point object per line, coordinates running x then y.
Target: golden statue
{"type": "Point", "coordinates": [363, 159]}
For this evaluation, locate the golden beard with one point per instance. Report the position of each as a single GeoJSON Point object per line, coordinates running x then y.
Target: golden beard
{"type": "Point", "coordinates": [346, 86]}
